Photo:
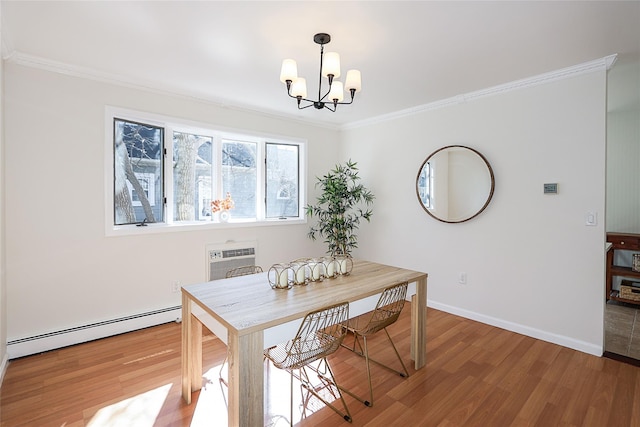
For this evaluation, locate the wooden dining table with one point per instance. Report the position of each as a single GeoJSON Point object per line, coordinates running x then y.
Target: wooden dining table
{"type": "Point", "coordinates": [246, 309]}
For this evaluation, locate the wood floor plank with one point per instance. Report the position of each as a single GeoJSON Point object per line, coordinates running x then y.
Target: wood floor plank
{"type": "Point", "coordinates": [476, 375]}
{"type": "Point", "coordinates": [537, 400]}
{"type": "Point", "coordinates": [635, 410]}
{"type": "Point", "coordinates": [625, 396]}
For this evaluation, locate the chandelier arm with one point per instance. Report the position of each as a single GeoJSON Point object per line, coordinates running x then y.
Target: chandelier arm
{"type": "Point", "coordinates": [325, 95]}
{"type": "Point", "coordinates": [301, 99]}
{"type": "Point", "coordinates": [353, 94]}
{"type": "Point", "coordinates": [345, 103]}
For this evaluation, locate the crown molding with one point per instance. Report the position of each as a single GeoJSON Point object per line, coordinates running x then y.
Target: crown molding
{"type": "Point", "coordinates": [37, 62]}
{"type": "Point", "coordinates": [587, 67]}
{"type": "Point", "coordinates": [26, 60]}
{"type": "Point", "coordinates": [6, 47]}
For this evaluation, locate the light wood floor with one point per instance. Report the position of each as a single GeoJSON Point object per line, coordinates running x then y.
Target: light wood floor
{"type": "Point", "coordinates": [476, 375]}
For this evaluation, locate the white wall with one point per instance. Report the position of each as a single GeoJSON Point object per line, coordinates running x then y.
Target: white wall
{"type": "Point", "coordinates": [3, 299]}
{"type": "Point", "coordinates": [532, 265]}
{"type": "Point", "coordinates": [62, 271]}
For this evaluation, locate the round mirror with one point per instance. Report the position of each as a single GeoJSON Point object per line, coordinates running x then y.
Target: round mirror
{"type": "Point", "coordinates": [455, 184]}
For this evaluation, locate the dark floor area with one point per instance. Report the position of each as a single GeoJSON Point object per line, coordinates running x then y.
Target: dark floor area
{"type": "Point", "coordinates": [622, 330]}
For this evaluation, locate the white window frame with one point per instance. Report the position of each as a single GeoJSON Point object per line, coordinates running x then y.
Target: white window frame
{"type": "Point", "coordinates": [171, 125]}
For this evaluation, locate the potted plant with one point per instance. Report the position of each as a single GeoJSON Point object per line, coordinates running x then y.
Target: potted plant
{"type": "Point", "coordinates": [339, 209]}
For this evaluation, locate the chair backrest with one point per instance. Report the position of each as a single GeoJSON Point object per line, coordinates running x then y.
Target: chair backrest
{"type": "Point", "coordinates": [319, 335]}
{"type": "Point", "coordinates": [244, 270]}
{"type": "Point", "coordinates": [388, 308]}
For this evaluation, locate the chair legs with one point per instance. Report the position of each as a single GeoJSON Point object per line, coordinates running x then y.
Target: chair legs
{"type": "Point", "coordinates": [327, 382]}
{"type": "Point", "coordinates": [363, 351]}
{"type": "Point", "coordinates": [320, 334]}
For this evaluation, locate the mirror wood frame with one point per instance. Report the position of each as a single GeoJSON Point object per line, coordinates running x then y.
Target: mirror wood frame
{"type": "Point", "coordinates": [476, 213]}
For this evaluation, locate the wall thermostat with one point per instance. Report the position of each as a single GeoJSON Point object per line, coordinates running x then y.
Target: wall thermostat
{"type": "Point", "coordinates": [551, 188]}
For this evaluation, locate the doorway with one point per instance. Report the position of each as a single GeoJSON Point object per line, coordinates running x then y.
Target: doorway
{"type": "Point", "coordinates": [622, 320]}
{"type": "Point", "coordinates": [622, 331]}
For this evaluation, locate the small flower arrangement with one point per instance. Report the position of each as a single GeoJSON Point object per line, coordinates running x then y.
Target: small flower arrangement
{"type": "Point", "coordinates": [222, 205]}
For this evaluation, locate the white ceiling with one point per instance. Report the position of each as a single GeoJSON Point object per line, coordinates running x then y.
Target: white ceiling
{"type": "Point", "coordinates": [409, 53]}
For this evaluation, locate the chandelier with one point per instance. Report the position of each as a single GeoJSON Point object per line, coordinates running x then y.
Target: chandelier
{"type": "Point", "coordinates": [329, 68]}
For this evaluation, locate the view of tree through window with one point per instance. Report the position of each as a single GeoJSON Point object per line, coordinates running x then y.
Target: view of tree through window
{"type": "Point", "coordinates": [282, 180]}
{"type": "Point", "coordinates": [174, 178]}
{"type": "Point", "coordinates": [239, 176]}
{"type": "Point", "coordinates": [192, 176]}
{"type": "Point", "coordinates": [137, 191]}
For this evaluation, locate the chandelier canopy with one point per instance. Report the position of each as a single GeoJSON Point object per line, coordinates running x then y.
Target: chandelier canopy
{"type": "Point", "coordinates": [329, 68]}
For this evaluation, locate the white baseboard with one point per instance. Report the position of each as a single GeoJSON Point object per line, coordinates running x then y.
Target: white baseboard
{"type": "Point", "coordinates": [58, 339]}
{"type": "Point", "coordinates": [50, 341]}
{"type": "Point", "coordinates": [564, 341]}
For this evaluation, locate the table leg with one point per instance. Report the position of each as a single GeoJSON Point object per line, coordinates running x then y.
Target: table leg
{"type": "Point", "coordinates": [246, 379]}
{"type": "Point", "coordinates": [419, 324]}
{"type": "Point", "coordinates": [191, 351]}
{"type": "Point", "coordinates": [414, 308]}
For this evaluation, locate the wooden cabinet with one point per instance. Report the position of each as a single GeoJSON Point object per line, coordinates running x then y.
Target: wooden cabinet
{"type": "Point", "coordinates": [621, 242]}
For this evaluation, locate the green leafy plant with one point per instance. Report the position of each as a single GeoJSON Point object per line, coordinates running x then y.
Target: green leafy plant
{"type": "Point", "coordinates": [338, 210]}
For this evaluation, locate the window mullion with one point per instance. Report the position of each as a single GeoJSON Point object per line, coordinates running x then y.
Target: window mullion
{"type": "Point", "coordinates": [168, 174]}
{"type": "Point", "coordinates": [216, 164]}
{"type": "Point", "coordinates": [261, 171]}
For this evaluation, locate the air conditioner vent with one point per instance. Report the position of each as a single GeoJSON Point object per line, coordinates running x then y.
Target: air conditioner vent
{"type": "Point", "coordinates": [238, 252]}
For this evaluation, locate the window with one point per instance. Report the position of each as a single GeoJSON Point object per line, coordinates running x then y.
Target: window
{"type": "Point", "coordinates": [192, 176]}
{"type": "Point", "coordinates": [147, 182]}
{"type": "Point", "coordinates": [168, 173]}
{"type": "Point", "coordinates": [137, 153]}
{"type": "Point", "coordinates": [240, 176]}
{"type": "Point", "coordinates": [282, 180]}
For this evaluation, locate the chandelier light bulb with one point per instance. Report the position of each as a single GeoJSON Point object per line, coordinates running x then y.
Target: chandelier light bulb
{"type": "Point", "coordinates": [299, 88]}
{"type": "Point", "coordinates": [289, 70]}
{"type": "Point", "coordinates": [336, 94]}
{"type": "Point", "coordinates": [331, 65]}
{"type": "Point", "coordinates": [353, 81]}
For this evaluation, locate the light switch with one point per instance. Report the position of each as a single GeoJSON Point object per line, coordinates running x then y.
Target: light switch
{"type": "Point", "coordinates": [591, 219]}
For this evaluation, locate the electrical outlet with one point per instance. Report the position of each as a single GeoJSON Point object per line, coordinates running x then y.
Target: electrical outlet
{"type": "Point", "coordinates": [175, 287]}
{"type": "Point", "coordinates": [462, 278]}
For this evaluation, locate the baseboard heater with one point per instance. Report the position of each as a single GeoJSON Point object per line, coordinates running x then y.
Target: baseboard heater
{"type": "Point", "coordinates": [53, 340]}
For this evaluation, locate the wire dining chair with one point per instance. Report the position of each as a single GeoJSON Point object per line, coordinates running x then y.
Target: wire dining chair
{"type": "Point", "coordinates": [386, 313]}
{"type": "Point", "coordinates": [320, 334]}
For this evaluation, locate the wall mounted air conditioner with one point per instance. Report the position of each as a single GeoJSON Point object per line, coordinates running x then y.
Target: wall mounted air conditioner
{"type": "Point", "coordinates": [222, 257]}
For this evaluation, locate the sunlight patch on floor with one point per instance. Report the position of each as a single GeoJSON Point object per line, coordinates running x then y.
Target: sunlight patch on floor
{"type": "Point", "coordinates": [277, 386]}
{"type": "Point", "coordinates": [211, 408]}
{"type": "Point", "coordinates": [140, 411]}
